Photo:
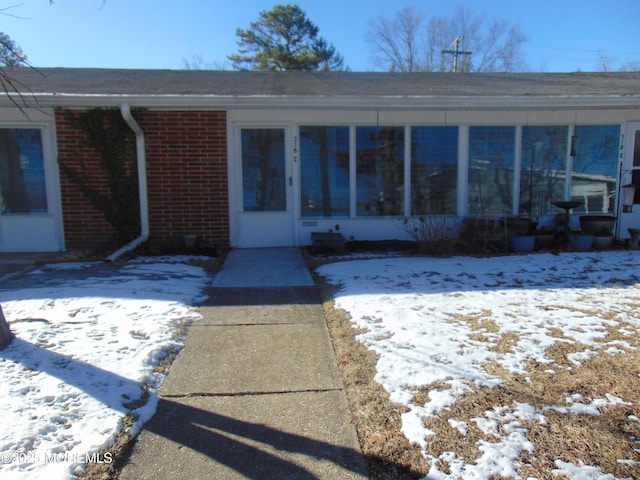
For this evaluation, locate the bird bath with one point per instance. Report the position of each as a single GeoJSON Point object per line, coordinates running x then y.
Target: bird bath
{"type": "Point", "coordinates": [566, 206]}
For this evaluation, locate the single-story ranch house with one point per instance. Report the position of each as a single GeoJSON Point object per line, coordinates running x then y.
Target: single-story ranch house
{"type": "Point", "coordinates": [254, 159]}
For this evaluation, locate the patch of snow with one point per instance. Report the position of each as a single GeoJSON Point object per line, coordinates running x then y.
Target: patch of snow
{"type": "Point", "coordinates": [88, 337]}
{"type": "Point", "coordinates": [582, 471]}
{"type": "Point", "coordinates": [577, 407]}
{"type": "Point", "coordinates": [458, 425]}
{"type": "Point", "coordinates": [438, 321]}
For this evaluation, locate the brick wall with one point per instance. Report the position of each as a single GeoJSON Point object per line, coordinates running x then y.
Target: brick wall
{"type": "Point", "coordinates": [84, 224]}
{"type": "Point", "coordinates": [186, 176]}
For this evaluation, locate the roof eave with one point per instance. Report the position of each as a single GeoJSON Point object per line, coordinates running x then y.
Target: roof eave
{"type": "Point", "coordinates": [374, 102]}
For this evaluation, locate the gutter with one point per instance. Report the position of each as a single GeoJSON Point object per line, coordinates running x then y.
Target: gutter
{"type": "Point", "coordinates": [141, 157]}
{"type": "Point", "coordinates": [343, 102]}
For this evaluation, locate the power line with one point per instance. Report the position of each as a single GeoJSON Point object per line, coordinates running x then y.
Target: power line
{"type": "Point", "coordinates": [585, 50]}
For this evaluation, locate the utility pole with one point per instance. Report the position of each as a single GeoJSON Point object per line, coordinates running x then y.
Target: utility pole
{"type": "Point", "coordinates": [456, 51]}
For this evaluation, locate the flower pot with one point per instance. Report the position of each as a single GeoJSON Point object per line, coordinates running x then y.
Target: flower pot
{"type": "Point", "coordinates": [635, 238]}
{"type": "Point", "coordinates": [597, 224]}
{"type": "Point", "coordinates": [323, 241]}
{"type": "Point", "coordinates": [523, 243]}
{"type": "Point", "coordinates": [581, 242]}
{"type": "Point", "coordinates": [602, 242]}
{"type": "Point", "coordinates": [190, 241]}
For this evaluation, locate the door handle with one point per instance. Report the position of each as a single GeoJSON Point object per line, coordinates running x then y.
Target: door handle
{"type": "Point", "coordinates": [290, 181]}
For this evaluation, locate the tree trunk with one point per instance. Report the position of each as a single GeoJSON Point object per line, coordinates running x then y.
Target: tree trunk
{"type": "Point", "coordinates": [5, 331]}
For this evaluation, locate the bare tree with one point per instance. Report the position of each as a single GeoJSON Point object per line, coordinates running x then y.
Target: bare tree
{"type": "Point", "coordinates": [499, 47]}
{"type": "Point", "coordinates": [198, 62]}
{"type": "Point", "coordinates": [11, 55]}
{"type": "Point", "coordinates": [606, 62]}
{"type": "Point", "coordinates": [437, 39]}
{"type": "Point", "coordinates": [632, 66]}
{"type": "Point", "coordinates": [396, 42]}
{"type": "Point", "coordinates": [408, 43]}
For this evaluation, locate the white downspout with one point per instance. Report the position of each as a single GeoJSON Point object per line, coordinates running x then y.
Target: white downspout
{"type": "Point", "coordinates": [125, 110]}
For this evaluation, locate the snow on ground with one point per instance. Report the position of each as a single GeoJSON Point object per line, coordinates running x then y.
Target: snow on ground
{"type": "Point", "coordinates": [411, 309]}
{"type": "Point", "coordinates": [88, 336]}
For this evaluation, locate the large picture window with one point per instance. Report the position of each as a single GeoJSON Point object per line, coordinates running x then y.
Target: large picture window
{"type": "Point", "coordinates": [543, 173]}
{"type": "Point", "coordinates": [324, 171]}
{"type": "Point", "coordinates": [491, 170]}
{"type": "Point", "coordinates": [434, 170]}
{"type": "Point", "coordinates": [263, 170]}
{"type": "Point", "coordinates": [22, 175]}
{"type": "Point", "coordinates": [594, 169]}
{"type": "Point", "coordinates": [380, 171]}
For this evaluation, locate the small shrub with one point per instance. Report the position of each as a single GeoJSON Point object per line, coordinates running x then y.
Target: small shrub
{"type": "Point", "coordinates": [432, 234]}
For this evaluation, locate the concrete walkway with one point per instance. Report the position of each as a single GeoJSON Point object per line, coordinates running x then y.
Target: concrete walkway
{"type": "Point", "coordinates": [15, 264]}
{"type": "Point", "coordinates": [255, 393]}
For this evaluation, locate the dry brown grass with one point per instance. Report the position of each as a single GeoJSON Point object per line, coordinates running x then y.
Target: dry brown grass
{"type": "Point", "coordinates": [481, 321]}
{"type": "Point", "coordinates": [377, 420]}
{"type": "Point", "coordinates": [597, 440]}
{"type": "Point", "coordinates": [119, 452]}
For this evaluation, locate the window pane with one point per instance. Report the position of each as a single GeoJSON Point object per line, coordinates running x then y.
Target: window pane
{"type": "Point", "coordinates": [434, 170]}
{"type": "Point", "coordinates": [595, 165]}
{"type": "Point", "coordinates": [263, 170]}
{"type": "Point", "coordinates": [491, 163]}
{"type": "Point", "coordinates": [380, 170]}
{"type": "Point", "coordinates": [543, 169]}
{"type": "Point", "coordinates": [324, 171]}
{"type": "Point", "coordinates": [22, 178]}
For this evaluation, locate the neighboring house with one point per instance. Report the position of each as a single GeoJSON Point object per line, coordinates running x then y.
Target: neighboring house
{"type": "Point", "coordinates": [256, 159]}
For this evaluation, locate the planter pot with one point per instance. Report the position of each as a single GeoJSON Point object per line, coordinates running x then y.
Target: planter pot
{"type": "Point", "coordinates": [190, 241]}
{"type": "Point", "coordinates": [523, 243]}
{"type": "Point", "coordinates": [635, 238]}
{"type": "Point", "coordinates": [544, 240]}
{"type": "Point", "coordinates": [581, 242]}
{"type": "Point", "coordinates": [597, 224]}
{"type": "Point", "coordinates": [602, 242]}
{"type": "Point", "coordinates": [327, 241]}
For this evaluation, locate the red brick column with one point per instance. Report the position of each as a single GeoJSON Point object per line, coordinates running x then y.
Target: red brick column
{"type": "Point", "coordinates": [187, 175]}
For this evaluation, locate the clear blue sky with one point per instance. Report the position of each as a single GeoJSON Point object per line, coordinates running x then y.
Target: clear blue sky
{"type": "Point", "coordinates": [564, 35]}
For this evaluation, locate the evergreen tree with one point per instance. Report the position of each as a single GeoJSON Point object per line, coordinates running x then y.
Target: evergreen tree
{"type": "Point", "coordinates": [284, 39]}
{"type": "Point", "coordinates": [11, 54]}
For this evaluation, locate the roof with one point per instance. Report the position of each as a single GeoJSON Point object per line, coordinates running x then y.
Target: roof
{"type": "Point", "coordinates": [79, 86]}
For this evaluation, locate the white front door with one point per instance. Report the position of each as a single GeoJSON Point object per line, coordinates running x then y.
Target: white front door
{"type": "Point", "coordinates": [264, 214]}
{"type": "Point", "coordinates": [630, 175]}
